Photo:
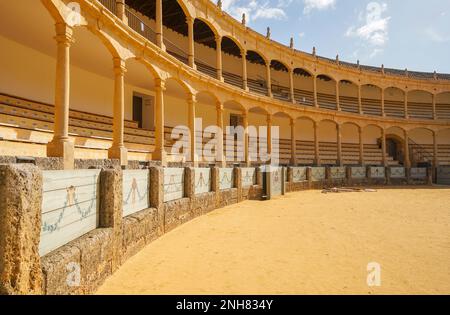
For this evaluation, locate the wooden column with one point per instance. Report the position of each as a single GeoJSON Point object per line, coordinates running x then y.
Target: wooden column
{"type": "Point", "coordinates": [192, 127]}
{"type": "Point", "coordinates": [159, 154]}
{"type": "Point", "coordinates": [269, 80]}
{"type": "Point", "coordinates": [361, 146]}
{"type": "Point", "coordinates": [159, 24]}
{"type": "Point", "coordinates": [118, 150]}
{"type": "Point", "coordinates": [291, 85]}
{"type": "Point", "coordinates": [191, 43]}
{"type": "Point", "coordinates": [406, 158]}
{"type": "Point", "coordinates": [219, 57]}
{"type": "Point", "coordinates": [244, 69]}
{"type": "Point", "coordinates": [220, 146]}
{"type": "Point", "coordinates": [61, 146]}
{"type": "Point", "coordinates": [293, 143]}
{"type": "Point", "coordinates": [339, 145]}
{"type": "Point", "coordinates": [316, 144]}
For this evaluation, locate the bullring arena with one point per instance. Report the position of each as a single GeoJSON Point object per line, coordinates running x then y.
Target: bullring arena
{"type": "Point", "coordinates": [176, 151]}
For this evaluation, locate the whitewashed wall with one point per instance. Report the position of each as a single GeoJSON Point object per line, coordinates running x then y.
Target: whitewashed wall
{"type": "Point", "coordinates": [338, 172]}
{"type": "Point", "coordinates": [358, 172]}
{"type": "Point", "coordinates": [418, 172]}
{"type": "Point", "coordinates": [317, 174]}
{"type": "Point", "coordinates": [299, 174]}
{"type": "Point", "coordinates": [226, 178]}
{"type": "Point", "coordinates": [377, 172]}
{"type": "Point", "coordinates": [202, 180]}
{"type": "Point", "coordinates": [173, 184]}
{"type": "Point", "coordinates": [69, 207]}
{"type": "Point", "coordinates": [248, 177]}
{"type": "Point", "coordinates": [276, 181]}
{"type": "Point", "coordinates": [398, 172]}
{"type": "Point", "coordinates": [136, 187]}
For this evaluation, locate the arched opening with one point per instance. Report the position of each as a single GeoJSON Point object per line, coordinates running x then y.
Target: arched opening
{"type": "Point", "coordinates": [231, 62]}
{"type": "Point", "coordinates": [234, 132]}
{"type": "Point", "coordinates": [305, 150]}
{"type": "Point", "coordinates": [420, 104]}
{"type": "Point", "coordinates": [443, 105]}
{"type": "Point", "coordinates": [205, 48]}
{"type": "Point", "coordinates": [326, 92]}
{"type": "Point", "coordinates": [258, 135]}
{"type": "Point", "coordinates": [256, 73]}
{"type": "Point", "coordinates": [348, 96]}
{"type": "Point", "coordinates": [371, 100]}
{"type": "Point", "coordinates": [327, 135]}
{"type": "Point", "coordinates": [303, 87]}
{"type": "Point", "coordinates": [350, 144]}
{"type": "Point", "coordinates": [206, 135]}
{"type": "Point", "coordinates": [394, 102]}
{"type": "Point", "coordinates": [280, 80]}
{"type": "Point", "coordinates": [141, 17]}
{"type": "Point", "coordinates": [373, 153]}
{"type": "Point", "coordinates": [176, 117]}
{"type": "Point", "coordinates": [395, 148]}
{"type": "Point", "coordinates": [421, 147]}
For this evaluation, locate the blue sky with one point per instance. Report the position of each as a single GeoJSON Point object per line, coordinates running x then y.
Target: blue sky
{"type": "Point", "coordinates": [413, 34]}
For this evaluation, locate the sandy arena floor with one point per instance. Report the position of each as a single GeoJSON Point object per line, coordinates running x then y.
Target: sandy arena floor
{"type": "Point", "coordinates": [303, 243]}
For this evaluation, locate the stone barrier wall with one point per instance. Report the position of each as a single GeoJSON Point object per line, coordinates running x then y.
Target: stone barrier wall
{"type": "Point", "coordinates": [80, 263]}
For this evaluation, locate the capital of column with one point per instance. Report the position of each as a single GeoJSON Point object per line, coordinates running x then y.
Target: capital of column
{"type": "Point", "coordinates": [191, 99]}
{"type": "Point", "coordinates": [292, 122]}
{"type": "Point", "coordinates": [269, 119]}
{"type": "Point", "coordinates": [119, 66]}
{"type": "Point", "coordinates": [243, 53]}
{"type": "Point", "coordinates": [160, 84]}
{"type": "Point", "coordinates": [189, 20]}
{"type": "Point", "coordinates": [219, 106]}
{"type": "Point", "coordinates": [64, 34]}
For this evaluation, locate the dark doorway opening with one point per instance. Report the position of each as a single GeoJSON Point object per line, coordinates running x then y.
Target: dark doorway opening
{"type": "Point", "coordinates": [137, 110]}
{"type": "Point", "coordinates": [392, 148]}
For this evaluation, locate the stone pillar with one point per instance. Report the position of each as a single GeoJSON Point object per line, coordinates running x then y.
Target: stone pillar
{"type": "Point", "coordinates": [220, 156]}
{"type": "Point", "coordinates": [316, 102]}
{"type": "Point", "coordinates": [360, 107]}
{"type": "Point", "coordinates": [120, 10]}
{"type": "Point", "coordinates": [309, 177]}
{"type": "Point", "coordinates": [383, 111]}
{"type": "Point", "coordinates": [406, 105]}
{"type": "Point", "coordinates": [238, 182]}
{"type": "Point", "coordinates": [383, 147]}
{"type": "Point", "coordinates": [316, 144]}
{"type": "Point", "coordinates": [291, 85]}
{"type": "Point", "coordinates": [244, 69]}
{"type": "Point", "coordinates": [269, 80]}
{"type": "Point", "coordinates": [361, 146]}
{"type": "Point", "coordinates": [189, 182]}
{"type": "Point", "coordinates": [157, 195]}
{"type": "Point", "coordinates": [293, 144]}
{"type": "Point", "coordinates": [191, 52]}
{"type": "Point", "coordinates": [215, 184]}
{"type": "Point", "coordinates": [219, 57]}
{"type": "Point", "coordinates": [340, 162]}
{"type": "Point", "coordinates": [111, 210]}
{"type": "Point", "coordinates": [407, 160]}
{"type": "Point", "coordinates": [388, 175]}
{"type": "Point", "coordinates": [118, 150]}
{"type": "Point", "coordinates": [20, 229]}
{"type": "Point", "coordinates": [159, 24]}
{"type": "Point", "coordinates": [338, 102]}
{"type": "Point", "coordinates": [159, 152]}
{"type": "Point", "coordinates": [61, 146]}
{"type": "Point", "coordinates": [192, 128]}
{"type": "Point", "coordinates": [246, 138]}
{"type": "Point", "coordinates": [433, 102]}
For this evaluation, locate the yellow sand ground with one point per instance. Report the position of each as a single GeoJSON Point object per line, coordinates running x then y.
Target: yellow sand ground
{"type": "Point", "coordinates": [303, 243]}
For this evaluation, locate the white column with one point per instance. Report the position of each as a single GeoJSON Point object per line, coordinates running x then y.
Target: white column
{"type": "Point", "coordinates": [118, 150]}
{"type": "Point", "coordinates": [159, 153]}
{"type": "Point", "coordinates": [61, 146]}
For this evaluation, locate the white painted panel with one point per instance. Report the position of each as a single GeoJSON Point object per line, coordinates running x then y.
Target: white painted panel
{"type": "Point", "coordinates": [248, 176]}
{"type": "Point", "coordinates": [358, 172]}
{"type": "Point", "coordinates": [338, 172]}
{"type": "Point", "coordinates": [69, 207]}
{"type": "Point", "coordinates": [173, 184]}
{"type": "Point", "coordinates": [418, 172]}
{"type": "Point", "coordinates": [276, 180]}
{"type": "Point", "coordinates": [317, 174]}
{"type": "Point", "coordinates": [202, 180]}
{"type": "Point", "coordinates": [398, 172]}
{"type": "Point", "coordinates": [226, 178]}
{"type": "Point", "coordinates": [299, 174]}
{"type": "Point", "coordinates": [377, 172]}
{"type": "Point", "coordinates": [136, 187]}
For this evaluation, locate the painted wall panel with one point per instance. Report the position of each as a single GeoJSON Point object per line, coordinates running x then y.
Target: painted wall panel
{"type": "Point", "coordinates": [173, 184]}
{"type": "Point", "coordinates": [136, 187]}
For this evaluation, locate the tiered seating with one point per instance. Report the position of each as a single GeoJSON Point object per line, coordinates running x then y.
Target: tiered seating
{"type": "Point", "coordinates": [232, 79]}
{"type": "Point", "coordinates": [444, 154]}
{"type": "Point", "coordinates": [206, 69]}
{"type": "Point", "coordinates": [424, 153]}
{"type": "Point", "coordinates": [420, 110]}
{"type": "Point", "coordinates": [257, 86]}
{"type": "Point", "coordinates": [349, 104]}
{"type": "Point", "coordinates": [443, 111]}
{"type": "Point", "coordinates": [304, 97]}
{"type": "Point", "coordinates": [371, 106]}
{"type": "Point", "coordinates": [280, 92]}
{"type": "Point", "coordinates": [394, 109]}
{"type": "Point", "coordinates": [326, 101]}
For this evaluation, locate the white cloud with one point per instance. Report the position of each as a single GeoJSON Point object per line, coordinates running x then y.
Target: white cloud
{"type": "Point", "coordinates": [255, 9]}
{"type": "Point", "coordinates": [436, 36]}
{"type": "Point", "coordinates": [375, 30]}
{"type": "Point", "coordinates": [317, 5]}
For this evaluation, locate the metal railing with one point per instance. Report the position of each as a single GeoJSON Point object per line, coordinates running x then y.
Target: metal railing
{"type": "Point", "coordinates": [139, 26]}
{"type": "Point", "coordinates": [110, 5]}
